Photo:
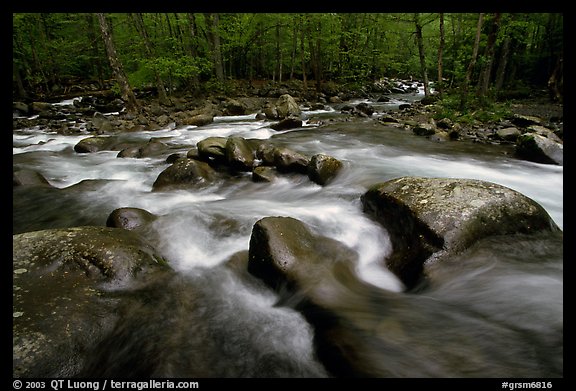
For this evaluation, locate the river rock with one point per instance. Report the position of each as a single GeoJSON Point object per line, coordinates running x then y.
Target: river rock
{"type": "Point", "coordinates": [264, 174]}
{"type": "Point", "coordinates": [540, 149]}
{"type": "Point", "coordinates": [154, 147]}
{"type": "Point", "coordinates": [424, 129]}
{"type": "Point", "coordinates": [284, 252]}
{"type": "Point", "coordinates": [212, 148]}
{"type": "Point", "coordinates": [25, 177]}
{"type": "Point", "coordinates": [361, 330]}
{"type": "Point", "coordinates": [426, 215]}
{"type": "Point", "coordinates": [129, 218]}
{"type": "Point", "coordinates": [239, 154]}
{"type": "Point", "coordinates": [198, 120]}
{"type": "Point", "coordinates": [287, 106]}
{"type": "Point", "coordinates": [510, 133]}
{"type": "Point", "coordinates": [287, 160]}
{"type": "Point", "coordinates": [185, 173]}
{"type": "Point", "coordinates": [287, 123]}
{"type": "Point", "coordinates": [60, 305]}
{"type": "Point", "coordinates": [94, 144]}
{"type": "Point", "coordinates": [323, 168]}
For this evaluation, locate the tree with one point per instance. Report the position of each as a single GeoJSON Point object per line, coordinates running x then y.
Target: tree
{"type": "Point", "coordinates": [213, 34]}
{"type": "Point", "coordinates": [486, 71]}
{"type": "Point", "coordinates": [471, 65]}
{"type": "Point", "coordinates": [141, 28]}
{"type": "Point", "coordinates": [421, 53]}
{"type": "Point", "coordinates": [441, 55]}
{"type": "Point", "coordinates": [132, 105]}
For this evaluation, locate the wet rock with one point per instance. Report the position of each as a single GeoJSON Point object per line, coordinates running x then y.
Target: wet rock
{"type": "Point", "coordinates": [212, 148]}
{"type": "Point", "coordinates": [284, 252]}
{"type": "Point", "coordinates": [94, 144]}
{"type": "Point", "coordinates": [361, 330]}
{"type": "Point", "coordinates": [239, 154]}
{"type": "Point", "coordinates": [287, 106]}
{"type": "Point", "coordinates": [510, 133]}
{"type": "Point", "coordinates": [425, 216]}
{"type": "Point", "coordinates": [24, 177]}
{"type": "Point", "coordinates": [540, 149]}
{"type": "Point", "coordinates": [185, 173]}
{"type": "Point", "coordinates": [264, 174]}
{"type": "Point", "coordinates": [129, 218]}
{"type": "Point", "coordinates": [199, 120]}
{"type": "Point", "coordinates": [287, 160]}
{"type": "Point", "coordinates": [154, 147]}
{"type": "Point", "coordinates": [66, 269]}
{"type": "Point", "coordinates": [323, 168]}
{"type": "Point", "coordinates": [130, 152]}
{"type": "Point", "coordinates": [287, 123]}
{"type": "Point", "coordinates": [424, 129]}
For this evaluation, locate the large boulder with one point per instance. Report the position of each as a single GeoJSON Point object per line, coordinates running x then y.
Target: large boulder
{"type": "Point", "coordinates": [284, 252]}
{"type": "Point", "coordinates": [426, 215]}
{"type": "Point", "coordinates": [61, 283]}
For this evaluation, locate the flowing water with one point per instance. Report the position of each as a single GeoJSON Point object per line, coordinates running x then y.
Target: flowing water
{"type": "Point", "coordinates": [200, 230]}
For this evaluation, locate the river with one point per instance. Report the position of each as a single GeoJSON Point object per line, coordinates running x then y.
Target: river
{"type": "Point", "coordinates": [200, 230]}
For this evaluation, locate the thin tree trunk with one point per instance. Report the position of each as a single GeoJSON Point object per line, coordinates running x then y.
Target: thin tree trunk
{"type": "Point", "coordinates": [214, 40]}
{"type": "Point", "coordinates": [421, 54]}
{"type": "Point", "coordinates": [501, 71]}
{"type": "Point", "coordinates": [95, 50]}
{"type": "Point", "coordinates": [440, 85]}
{"type": "Point", "coordinates": [472, 64]}
{"type": "Point", "coordinates": [302, 58]}
{"type": "Point", "coordinates": [294, 48]}
{"type": "Point", "coordinates": [132, 105]}
{"type": "Point", "coordinates": [484, 81]}
{"type": "Point", "coordinates": [278, 54]}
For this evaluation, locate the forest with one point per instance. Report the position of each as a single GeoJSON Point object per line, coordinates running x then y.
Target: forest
{"type": "Point", "coordinates": [489, 54]}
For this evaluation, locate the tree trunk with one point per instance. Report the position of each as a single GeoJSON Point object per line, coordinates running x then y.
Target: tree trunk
{"type": "Point", "coordinates": [556, 82]}
{"type": "Point", "coordinates": [472, 64]}
{"type": "Point", "coordinates": [501, 71]}
{"type": "Point", "coordinates": [484, 81]}
{"type": "Point", "coordinates": [421, 54]}
{"type": "Point", "coordinates": [278, 54]}
{"type": "Point", "coordinates": [97, 65]}
{"type": "Point", "coordinates": [212, 22]}
{"type": "Point", "coordinates": [302, 52]}
{"type": "Point", "coordinates": [132, 105]}
{"type": "Point", "coordinates": [440, 85]}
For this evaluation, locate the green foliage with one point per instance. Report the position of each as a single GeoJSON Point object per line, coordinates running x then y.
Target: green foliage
{"type": "Point", "coordinates": [342, 47]}
{"type": "Point", "coordinates": [477, 108]}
